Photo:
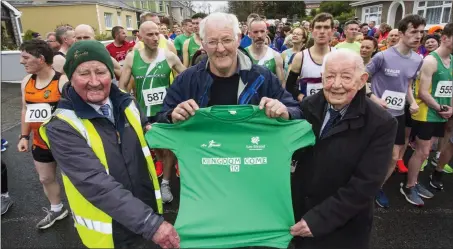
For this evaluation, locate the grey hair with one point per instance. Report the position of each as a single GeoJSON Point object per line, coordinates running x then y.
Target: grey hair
{"type": "Point", "coordinates": [219, 18]}
{"type": "Point", "coordinates": [60, 32]}
{"type": "Point", "coordinates": [344, 54]}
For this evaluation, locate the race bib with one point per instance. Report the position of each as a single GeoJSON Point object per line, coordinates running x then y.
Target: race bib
{"type": "Point", "coordinates": [154, 96]}
{"type": "Point", "coordinates": [444, 89]}
{"type": "Point", "coordinates": [38, 113]}
{"type": "Point", "coordinates": [394, 100]}
{"type": "Point", "coordinates": [313, 88]}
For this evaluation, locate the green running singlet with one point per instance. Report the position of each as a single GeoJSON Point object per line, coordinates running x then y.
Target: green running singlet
{"type": "Point", "coordinates": [151, 82]}
{"type": "Point", "coordinates": [235, 175]}
{"type": "Point", "coordinates": [268, 61]}
{"type": "Point", "coordinates": [193, 48]}
{"type": "Point", "coordinates": [441, 90]}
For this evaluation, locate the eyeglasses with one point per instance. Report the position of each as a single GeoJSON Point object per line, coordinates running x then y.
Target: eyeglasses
{"type": "Point", "coordinates": [50, 41]}
{"type": "Point", "coordinates": [214, 44]}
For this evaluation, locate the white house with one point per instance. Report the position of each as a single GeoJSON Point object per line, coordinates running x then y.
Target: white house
{"type": "Point", "coordinates": [435, 12]}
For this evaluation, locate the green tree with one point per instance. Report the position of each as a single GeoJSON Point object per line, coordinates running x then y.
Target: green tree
{"type": "Point", "coordinates": [313, 12]}
{"type": "Point", "coordinates": [336, 8]}
{"type": "Point", "coordinates": [28, 35]}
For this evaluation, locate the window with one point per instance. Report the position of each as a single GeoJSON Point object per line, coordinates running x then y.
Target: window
{"type": "Point", "coordinates": [372, 13]}
{"type": "Point", "coordinates": [161, 6]}
{"type": "Point", "coordinates": [108, 20]}
{"type": "Point", "coordinates": [129, 22]}
{"type": "Point", "coordinates": [119, 19]}
{"type": "Point", "coordinates": [435, 12]}
{"type": "Point", "coordinates": [142, 4]}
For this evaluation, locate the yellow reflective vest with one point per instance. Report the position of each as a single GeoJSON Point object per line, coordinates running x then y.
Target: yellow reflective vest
{"type": "Point", "coordinates": [93, 225]}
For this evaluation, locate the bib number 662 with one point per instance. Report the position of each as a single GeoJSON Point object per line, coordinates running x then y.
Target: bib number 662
{"type": "Point", "coordinates": [394, 101]}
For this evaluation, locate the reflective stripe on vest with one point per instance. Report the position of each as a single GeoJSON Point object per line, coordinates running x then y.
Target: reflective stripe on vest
{"type": "Point", "coordinates": [98, 226]}
{"type": "Point", "coordinates": [93, 225]}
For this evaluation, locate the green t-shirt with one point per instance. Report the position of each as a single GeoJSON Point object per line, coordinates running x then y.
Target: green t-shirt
{"type": "Point", "coordinates": [193, 48]}
{"type": "Point", "coordinates": [235, 175]}
{"type": "Point", "coordinates": [179, 42]}
{"type": "Point", "coordinates": [151, 82]}
{"type": "Point", "coordinates": [355, 46]}
{"type": "Point", "coordinates": [268, 61]}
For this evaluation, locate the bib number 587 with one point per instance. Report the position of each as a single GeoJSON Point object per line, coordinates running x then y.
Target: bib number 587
{"type": "Point", "coordinates": [155, 97]}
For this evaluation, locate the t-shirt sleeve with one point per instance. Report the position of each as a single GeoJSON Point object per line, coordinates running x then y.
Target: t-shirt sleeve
{"type": "Point", "coordinates": [417, 71]}
{"type": "Point", "coordinates": [375, 63]}
{"type": "Point", "coordinates": [162, 136]}
{"type": "Point", "coordinates": [177, 43]}
{"type": "Point", "coordinates": [302, 135]}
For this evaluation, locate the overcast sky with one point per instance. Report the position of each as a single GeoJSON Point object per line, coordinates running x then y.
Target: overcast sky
{"type": "Point", "coordinates": [214, 4]}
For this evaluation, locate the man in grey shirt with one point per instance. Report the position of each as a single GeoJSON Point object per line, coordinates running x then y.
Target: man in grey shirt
{"type": "Point", "coordinates": [393, 72]}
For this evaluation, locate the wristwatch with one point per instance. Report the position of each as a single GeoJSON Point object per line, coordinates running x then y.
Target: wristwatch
{"type": "Point", "coordinates": [24, 136]}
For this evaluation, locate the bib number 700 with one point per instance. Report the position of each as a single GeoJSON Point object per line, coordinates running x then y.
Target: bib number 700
{"type": "Point", "coordinates": [38, 113]}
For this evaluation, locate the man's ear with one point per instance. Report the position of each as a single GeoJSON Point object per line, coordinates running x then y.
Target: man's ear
{"type": "Point", "coordinates": [363, 79]}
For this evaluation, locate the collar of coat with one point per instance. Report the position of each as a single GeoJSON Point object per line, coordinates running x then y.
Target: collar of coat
{"type": "Point", "coordinates": [72, 101]}
{"type": "Point", "coordinates": [314, 109]}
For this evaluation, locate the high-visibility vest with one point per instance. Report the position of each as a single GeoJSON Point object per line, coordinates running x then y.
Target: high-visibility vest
{"type": "Point", "coordinates": [93, 225]}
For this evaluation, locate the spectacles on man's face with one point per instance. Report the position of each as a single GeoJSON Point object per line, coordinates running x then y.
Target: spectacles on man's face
{"type": "Point", "coordinates": [226, 42]}
{"type": "Point", "coordinates": [50, 41]}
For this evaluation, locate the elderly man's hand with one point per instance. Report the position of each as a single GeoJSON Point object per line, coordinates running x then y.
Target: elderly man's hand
{"type": "Point", "coordinates": [301, 229]}
{"type": "Point", "coordinates": [166, 236]}
{"type": "Point", "coordinates": [274, 108]}
{"type": "Point", "coordinates": [184, 111]}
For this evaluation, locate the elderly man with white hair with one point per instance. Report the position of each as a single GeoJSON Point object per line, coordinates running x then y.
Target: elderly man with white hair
{"type": "Point", "coordinates": [226, 77]}
{"type": "Point", "coordinates": [335, 180]}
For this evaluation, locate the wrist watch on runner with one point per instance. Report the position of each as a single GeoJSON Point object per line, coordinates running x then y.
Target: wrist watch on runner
{"type": "Point", "coordinates": [24, 136]}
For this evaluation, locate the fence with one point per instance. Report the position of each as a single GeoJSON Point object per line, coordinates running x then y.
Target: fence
{"type": "Point", "coordinates": [12, 70]}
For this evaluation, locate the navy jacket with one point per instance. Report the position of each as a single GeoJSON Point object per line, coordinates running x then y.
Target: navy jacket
{"type": "Point", "coordinates": [255, 83]}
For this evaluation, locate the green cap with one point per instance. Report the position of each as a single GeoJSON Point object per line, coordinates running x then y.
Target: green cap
{"type": "Point", "coordinates": [83, 51]}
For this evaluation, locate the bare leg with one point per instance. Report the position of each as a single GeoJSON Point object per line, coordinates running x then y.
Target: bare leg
{"type": "Point", "coordinates": [47, 176]}
{"type": "Point", "coordinates": [421, 153]}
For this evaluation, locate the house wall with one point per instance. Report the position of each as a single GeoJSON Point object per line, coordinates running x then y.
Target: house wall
{"type": "Point", "coordinates": [123, 13]}
{"type": "Point", "coordinates": [43, 19]}
{"type": "Point", "coordinates": [176, 13]}
{"type": "Point", "coordinates": [385, 7]}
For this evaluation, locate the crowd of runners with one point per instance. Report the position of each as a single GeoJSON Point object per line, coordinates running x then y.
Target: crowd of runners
{"type": "Point", "coordinates": [410, 71]}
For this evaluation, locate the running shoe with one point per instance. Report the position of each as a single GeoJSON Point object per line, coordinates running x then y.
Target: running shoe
{"type": "Point", "coordinates": [167, 197]}
{"type": "Point", "coordinates": [381, 199]}
{"type": "Point", "coordinates": [423, 192]}
{"type": "Point", "coordinates": [448, 169]}
{"type": "Point", "coordinates": [4, 142]}
{"type": "Point", "coordinates": [51, 217]}
{"type": "Point", "coordinates": [177, 169]}
{"type": "Point", "coordinates": [424, 164]}
{"type": "Point", "coordinates": [401, 167]}
{"type": "Point", "coordinates": [159, 168]}
{"type": "Point", "coordinates": [436, 180]}
{"type": "Point", "coordinates": [6, 203]}
{"type": "Point", "coordinates": [3, 148]}
{"type": "Point", "coordinates": [411, 195]}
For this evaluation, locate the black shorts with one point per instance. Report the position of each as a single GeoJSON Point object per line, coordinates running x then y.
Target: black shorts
{"type": "Point", "coordinates": [408, 115]}
{"type": "Point", "coordinates": [428, 130]}
{"type": "Point", "coordinates": [42, 155]}
{"type": "Point", "coordinates": [400, 138]}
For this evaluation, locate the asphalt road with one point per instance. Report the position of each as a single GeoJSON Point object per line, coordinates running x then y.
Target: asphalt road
{"type": "Point", "coordinates": [400, 226]}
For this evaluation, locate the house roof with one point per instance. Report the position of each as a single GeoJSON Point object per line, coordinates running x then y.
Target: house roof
{"type": "Point", "coordinates": [11, 8]}
{"type": "Point", "coordinates": [363, 2]}
{"type": "Point", "coordinates": [116, 4]}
